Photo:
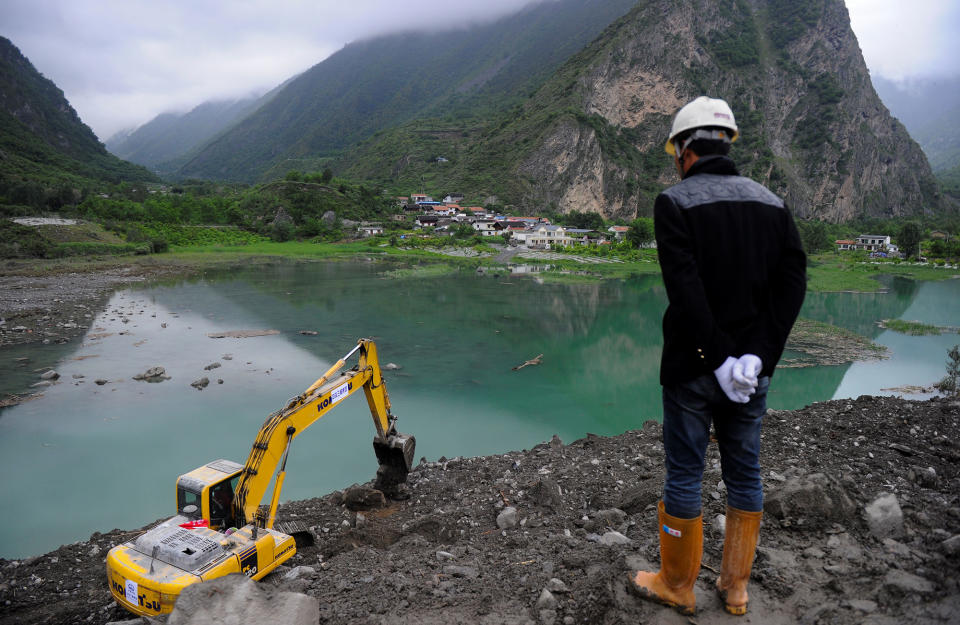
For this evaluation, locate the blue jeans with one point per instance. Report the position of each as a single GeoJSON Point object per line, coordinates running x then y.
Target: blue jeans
{"type": "Point", "coordinates": [688, 410]}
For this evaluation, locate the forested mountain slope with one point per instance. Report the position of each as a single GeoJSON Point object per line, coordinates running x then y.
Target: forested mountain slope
{"type": "Point", "coordinates": [372, 85]}
{"type": "Point", "coordinates": [170, 136]}
{"type": "Point", "coordinates": [43, 142]}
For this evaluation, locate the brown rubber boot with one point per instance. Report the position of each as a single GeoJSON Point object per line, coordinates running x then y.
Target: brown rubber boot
{"type": "Point", "coordinates": [681, 546]}
{"type": "Point", "coordinates": [739, 545]}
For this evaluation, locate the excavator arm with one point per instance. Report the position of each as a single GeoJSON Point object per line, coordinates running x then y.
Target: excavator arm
{"type": "Point", "coordinates": [268, 456]}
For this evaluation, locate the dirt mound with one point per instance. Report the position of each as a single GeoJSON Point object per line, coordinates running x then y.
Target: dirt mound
{"type": "Point", "coordinates": [862, 526]}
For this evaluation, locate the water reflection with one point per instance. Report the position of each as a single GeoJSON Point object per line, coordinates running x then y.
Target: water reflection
{"type": "Point", "coordinates": [111, 453]}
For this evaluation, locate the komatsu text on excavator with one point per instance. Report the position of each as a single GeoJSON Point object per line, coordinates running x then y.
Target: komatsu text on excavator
{"type": "Point", "coordinates": [220, 527]}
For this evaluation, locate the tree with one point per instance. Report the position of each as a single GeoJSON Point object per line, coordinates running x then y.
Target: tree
{"type": "Point", "coordinates": [327, 176]}
{"type": "Point", "coordinates": [950, 384]}
{"type": "Point", "coordinates": [586, 220]}
{"type": "Point", "coordinates": [463, 231]}
{"type": "Point", "coordinates": [813, 236]}
{"type": "Point", "coordinates": [640, 232]}
{"type": "Point", "coordinates": [909, 238]}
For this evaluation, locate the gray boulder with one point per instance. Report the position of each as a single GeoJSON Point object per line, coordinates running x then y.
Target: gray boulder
{"type": "Point", "coordinates": [153, 374]}
{"type": "Point", "coordinates": [507, 519]}
{"type": "Point", "coordinates": [238, 600]}
{"type": "Point", "coordinates": [884, 516]}
{"type": "Point", "coordinates": [901, 582]}
{"type": "Point", "coordinates": [814, 501]}
{"type": "Point", "coordinates": [545, 492]}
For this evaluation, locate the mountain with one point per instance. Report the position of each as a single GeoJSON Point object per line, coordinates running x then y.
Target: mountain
{"type": "Point", "coordinates": [42, 139]}
{"type": "Point", "coordinates": [372, 85]}
{"type": "Point", "coordinates": [591, 138]}
{"type": "Point", "coordinates": [929, 108]}
{"type": "Point", "coordinates": [170, 136]}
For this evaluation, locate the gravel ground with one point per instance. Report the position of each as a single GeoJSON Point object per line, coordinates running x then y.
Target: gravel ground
{"type": "Point", "coordinates": [58, 307]}
{"type": "Point", "coordinates": [546, 535]}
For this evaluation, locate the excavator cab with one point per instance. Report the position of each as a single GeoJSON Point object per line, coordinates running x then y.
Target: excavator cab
{"type": "Point", "coordinates": [207, 493]}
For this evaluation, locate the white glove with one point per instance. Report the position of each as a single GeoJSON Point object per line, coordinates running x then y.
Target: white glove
{"type": "Point", "coordinates": [745, 372]}
{"type": "Point", "coordinates": [724, 375]}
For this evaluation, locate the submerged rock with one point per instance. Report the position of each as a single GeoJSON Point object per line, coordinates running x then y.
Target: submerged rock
{"type": "Point", "coordinates": [153, 374]}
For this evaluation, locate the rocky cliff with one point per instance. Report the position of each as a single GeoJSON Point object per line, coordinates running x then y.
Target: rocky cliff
{"type": "Point", "coordinates": [812, 126]}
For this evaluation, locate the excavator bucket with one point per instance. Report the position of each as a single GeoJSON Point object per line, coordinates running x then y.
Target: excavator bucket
{"type": "Point", "coordinates": [395, 456]}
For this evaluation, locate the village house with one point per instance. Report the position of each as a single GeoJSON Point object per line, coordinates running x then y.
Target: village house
{"type": "Point", "coordinates": [580, 235]}
{"type": "Point", "coordinates": [514, 225]}
{"type": "Point", "coordinates": [453, 198]}
{"type": "Point", "coordinates": [873, 242]}
{"type": "Point", "coordinates": [488, 227]}
{"type": "Point", "coordinates": [619, 232]}
{"type": "Point", "coordinates": [845, 244]}
{"type": "Point", "coordinates": [547, 237]}
{"type": "Point", "coordinates": [370, 230]}
{"type": "Point", "coordinates": [417, 198]}
{"type": "Point", "coordinates": [532, 221]}
{"type": "Point", "coordinates": [427, 221]}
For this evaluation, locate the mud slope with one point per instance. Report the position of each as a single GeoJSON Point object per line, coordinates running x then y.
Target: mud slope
{"type": "Point", "coordinates": [440, 556]}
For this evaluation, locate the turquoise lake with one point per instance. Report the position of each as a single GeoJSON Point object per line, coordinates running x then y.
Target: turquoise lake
{"type": "Point", "coordinates": [85, 458]}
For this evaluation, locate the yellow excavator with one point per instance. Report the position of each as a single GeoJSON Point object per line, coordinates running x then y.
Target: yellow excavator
{"type": "Point", "coordinates": [220, 527]}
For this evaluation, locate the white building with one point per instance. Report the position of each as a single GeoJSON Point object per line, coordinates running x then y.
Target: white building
{"type": "Point", "coordinates": [547, 237]}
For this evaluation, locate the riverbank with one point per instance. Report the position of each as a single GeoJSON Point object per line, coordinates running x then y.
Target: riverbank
{"type": "Point", "coordinates": [49, 300]}
{"type": "Point", "coordinates": [862, 525]}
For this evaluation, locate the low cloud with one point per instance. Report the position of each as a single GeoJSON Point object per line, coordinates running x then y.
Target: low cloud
{"type": "Point", "coordinates": [121, 62]}
{"type": "Point", "coordinates": [902, 40]}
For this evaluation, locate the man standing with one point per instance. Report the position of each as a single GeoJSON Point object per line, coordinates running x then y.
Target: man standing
{"type": "Point", "coordinates": [735, 275]}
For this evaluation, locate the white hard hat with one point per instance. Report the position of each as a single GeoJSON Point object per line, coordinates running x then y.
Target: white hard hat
{"type": "Point", "coordinates": [703, 112]}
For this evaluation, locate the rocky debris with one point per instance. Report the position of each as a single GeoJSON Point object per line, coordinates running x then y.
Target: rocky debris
{"type": "Point", "coordinates": [57, 308]}
{"type": "Point", "coordinates": [391, 366]}
{"type": "Point", "coordinates": [884, 516]}
{"type": "Point", "coordinates": [201, 384]}
{"type": "Point", "coordinates": [50, 375]}
{"type": "Point", "coordinates": [238, 600]}
{"type": "Point", "coordinates": [507, 519]}
{"type": "Point", "coordinates": [212, 366]}
{"type": "Point", "coordinates": [441, 557]}
{"type": "Point", "coordinates": [153, 374]}
{"type": "Point", "coordinates": [363, 498]}
{"type": "Point", "coordinates": [812, 501]}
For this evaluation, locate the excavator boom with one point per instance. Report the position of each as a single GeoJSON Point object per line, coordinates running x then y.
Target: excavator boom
{"type": "Point", "coordinates": [394, 451]}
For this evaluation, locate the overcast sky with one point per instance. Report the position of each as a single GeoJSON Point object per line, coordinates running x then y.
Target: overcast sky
{"type": "Point", "coordinates": [122, 62]}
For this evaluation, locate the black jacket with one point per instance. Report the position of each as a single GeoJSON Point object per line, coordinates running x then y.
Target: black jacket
{"type": "Point", "coordinates": [734, 269]}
